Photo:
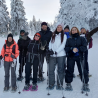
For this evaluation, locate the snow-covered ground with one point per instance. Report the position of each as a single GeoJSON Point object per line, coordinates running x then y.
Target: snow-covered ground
{"type": "Point", "coordinates": [42, 92]}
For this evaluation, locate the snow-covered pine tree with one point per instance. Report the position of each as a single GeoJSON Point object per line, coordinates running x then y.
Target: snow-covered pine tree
{"type": "Point", "coordinates": [77, 13]}
{"type": "Point", "coordinates": [35, 26]}
{"type": "Point", "coordinates": [32, 28]}
{"type": "Point", "coordinates": [34, 22]}
{"type": "Point", "coordinates": [93, 14]}
{"type": "Point", "coordinates": [18, 20]}
{"type": "Point", "coordinates": [4, 17]}
{"type": "Point", "coordinates": [38, 26]}
{"type": "Point", "coordinates": [33, 31]}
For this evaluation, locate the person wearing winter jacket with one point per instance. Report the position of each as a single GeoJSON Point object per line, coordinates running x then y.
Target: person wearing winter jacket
{"type": "Point", "coordinates": [45, 39]}
{"type": "Point", "coordinates": [75, 48]}
{"type": "Point", "coordinates": [87, 36]}
{"type": "Point", "coordinates": [10, 52]}
{"type": "Point", "coordinates": [33, 59]}
{"type": "Point", "coordinates": [23, 44]}
{"type": "Point", "coordinates": [57, 57]}
{"type": "Point", "coordinates": [90, 34]}
{"type": "Point", "coordinates": [83, 34]}
{"type": "Point", "coordinates": [67, 31]}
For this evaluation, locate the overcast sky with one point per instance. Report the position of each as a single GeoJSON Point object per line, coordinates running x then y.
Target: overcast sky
{"type": "Point", "coordinates": [45, 10]}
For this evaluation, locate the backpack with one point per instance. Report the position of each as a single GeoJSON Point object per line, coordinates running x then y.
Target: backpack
{"type": "Point", "coordinates": [13, 48]}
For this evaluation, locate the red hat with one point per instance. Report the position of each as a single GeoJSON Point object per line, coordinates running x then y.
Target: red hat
{"type": "Point", "coordinates": [38, 34]}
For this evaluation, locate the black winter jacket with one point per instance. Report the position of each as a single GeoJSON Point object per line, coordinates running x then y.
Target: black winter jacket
{"type": "Point", "coordinates": [34, 50]}
{"type": "Point", "coordinates": [34, 47]}
{"type": "Point", "coordinates": [23, 44]}
{"type": "Point", "coordinates": [46, 35]}
{"type": "Point", "coordinates": [89, 34]}
{"type": "Point", "coordinates": [75, 42]}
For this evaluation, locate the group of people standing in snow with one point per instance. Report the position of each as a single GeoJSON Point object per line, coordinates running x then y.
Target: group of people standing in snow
{"type": "Point", "coordinates": [61, 47]}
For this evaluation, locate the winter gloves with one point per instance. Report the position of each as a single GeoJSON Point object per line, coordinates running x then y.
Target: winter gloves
{"type": "Point", "coordinates": [50, 52]}
{"type": "Point", "coordinates": [43, 45]}
{"type": "Point", "coordinates": [12, 56]}
{"type": "Point", "coordinates": [55, 53]}
{"type": "Point", "coordinates": [14, 63]}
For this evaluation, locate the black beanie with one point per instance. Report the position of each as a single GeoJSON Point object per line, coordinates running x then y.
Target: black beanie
{"type": "Point", "coordinates": [43, 23]}
{"type": "Point", "coordinates": [10, 35]}
{"type": "Point", "coordinates": [67, 27]}
{"type": "Point", "coordinates": [22, 31]}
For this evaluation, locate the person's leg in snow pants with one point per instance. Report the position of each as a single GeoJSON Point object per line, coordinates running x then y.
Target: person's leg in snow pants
{"type": "Point", "coordinates": [7, 66]}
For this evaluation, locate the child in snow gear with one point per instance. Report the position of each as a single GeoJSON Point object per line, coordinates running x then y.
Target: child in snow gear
{"type": "Point", "coordinates": [33, 59]}
{"type": "Point", "coordinates": [45, 38]}
{"type": "Point", "coordinates": [57, 45]}
{"type": "Point", "coordinates": [75, 46]}
{"type": "Point", "coordinates": [9, 52]}
{"type": "Point", "coordinates": [23, 44]}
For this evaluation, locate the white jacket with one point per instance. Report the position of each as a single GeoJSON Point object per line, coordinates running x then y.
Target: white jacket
{"type": "Point", "coordinates": [57, 46]}
{"type": "Point", "coordinates": [83, 35]}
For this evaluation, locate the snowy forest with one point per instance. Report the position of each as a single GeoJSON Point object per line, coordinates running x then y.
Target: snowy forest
{"type": "Point", "coordinates": [80, 13]}
{"type": "Point", "coordinates": [58, 64]}
{"type": "Point", "coordinates": [15, 20]}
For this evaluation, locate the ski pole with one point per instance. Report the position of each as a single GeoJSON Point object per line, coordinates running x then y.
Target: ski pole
{"type": "Point", "coordinates": [83, 68]}
{"type": "Point", "coordinates": [83, 79]}
{"type": "Point", "coordinates": [48, 77]}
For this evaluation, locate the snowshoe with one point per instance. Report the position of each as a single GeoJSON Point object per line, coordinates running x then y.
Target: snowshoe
{"type": "Point", "coordinates": [58, 87]}
{"type": "Point", "coordinates": [14, 89]}
{"type": "Point", "coordinates": [85, 88]}
{"type": "Point", "coordinates": [40, 79]}
{"type": "Point", "coordinates": [68, 87]}
{"type": "Point", "coordinates": [27, 87]}
{"type": "Point", "coordinates": [6, 89]}
{"type": "Point", "coordinates": [20, 78]}
{"type": "Point", "coordinates": [34, 87]}
{"type": "Point", "coordinates": [50, 87]}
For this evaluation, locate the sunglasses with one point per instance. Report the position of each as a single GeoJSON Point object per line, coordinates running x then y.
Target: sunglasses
{"type": "Point", "coordinates": [37, 35]}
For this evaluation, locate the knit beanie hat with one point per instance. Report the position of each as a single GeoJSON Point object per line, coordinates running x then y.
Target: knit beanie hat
{"type": "Point", "coordinates": [22, 31]}
{"type": "Point", "coordinates": [67, 27]}
{"type": "Point", "coordinates": [43, 23]}
{"type": "Point", "coordinates": [10, 35]}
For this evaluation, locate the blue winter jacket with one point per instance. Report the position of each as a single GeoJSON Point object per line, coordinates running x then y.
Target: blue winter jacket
{"type": "Point", "coordinates": [67, 34]}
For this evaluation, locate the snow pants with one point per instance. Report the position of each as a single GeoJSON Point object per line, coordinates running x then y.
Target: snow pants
{"type": "Point", "coordinates": [59, 61]}
{"type": "Point", "coordinates": [7, 66]}
{"type": "Point", "coordinates": [22, 61]}
{"type": "Point", "coordinates": [70, 69]}
{"type": "Point", "coordinates": [42, 57]}
{"type": "Point", "coordinates": [28, 71]}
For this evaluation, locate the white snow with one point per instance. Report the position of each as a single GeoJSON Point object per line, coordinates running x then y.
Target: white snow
{"type": "Point", "coordinates": [42, 92]}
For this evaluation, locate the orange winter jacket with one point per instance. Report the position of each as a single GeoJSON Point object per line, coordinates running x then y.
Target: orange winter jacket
{"type": "Point", "coordinates": [8, 51]}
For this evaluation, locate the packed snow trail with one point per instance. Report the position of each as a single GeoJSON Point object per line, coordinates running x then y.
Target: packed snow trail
{"type": "Point", "coordinates": [76, 84]}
